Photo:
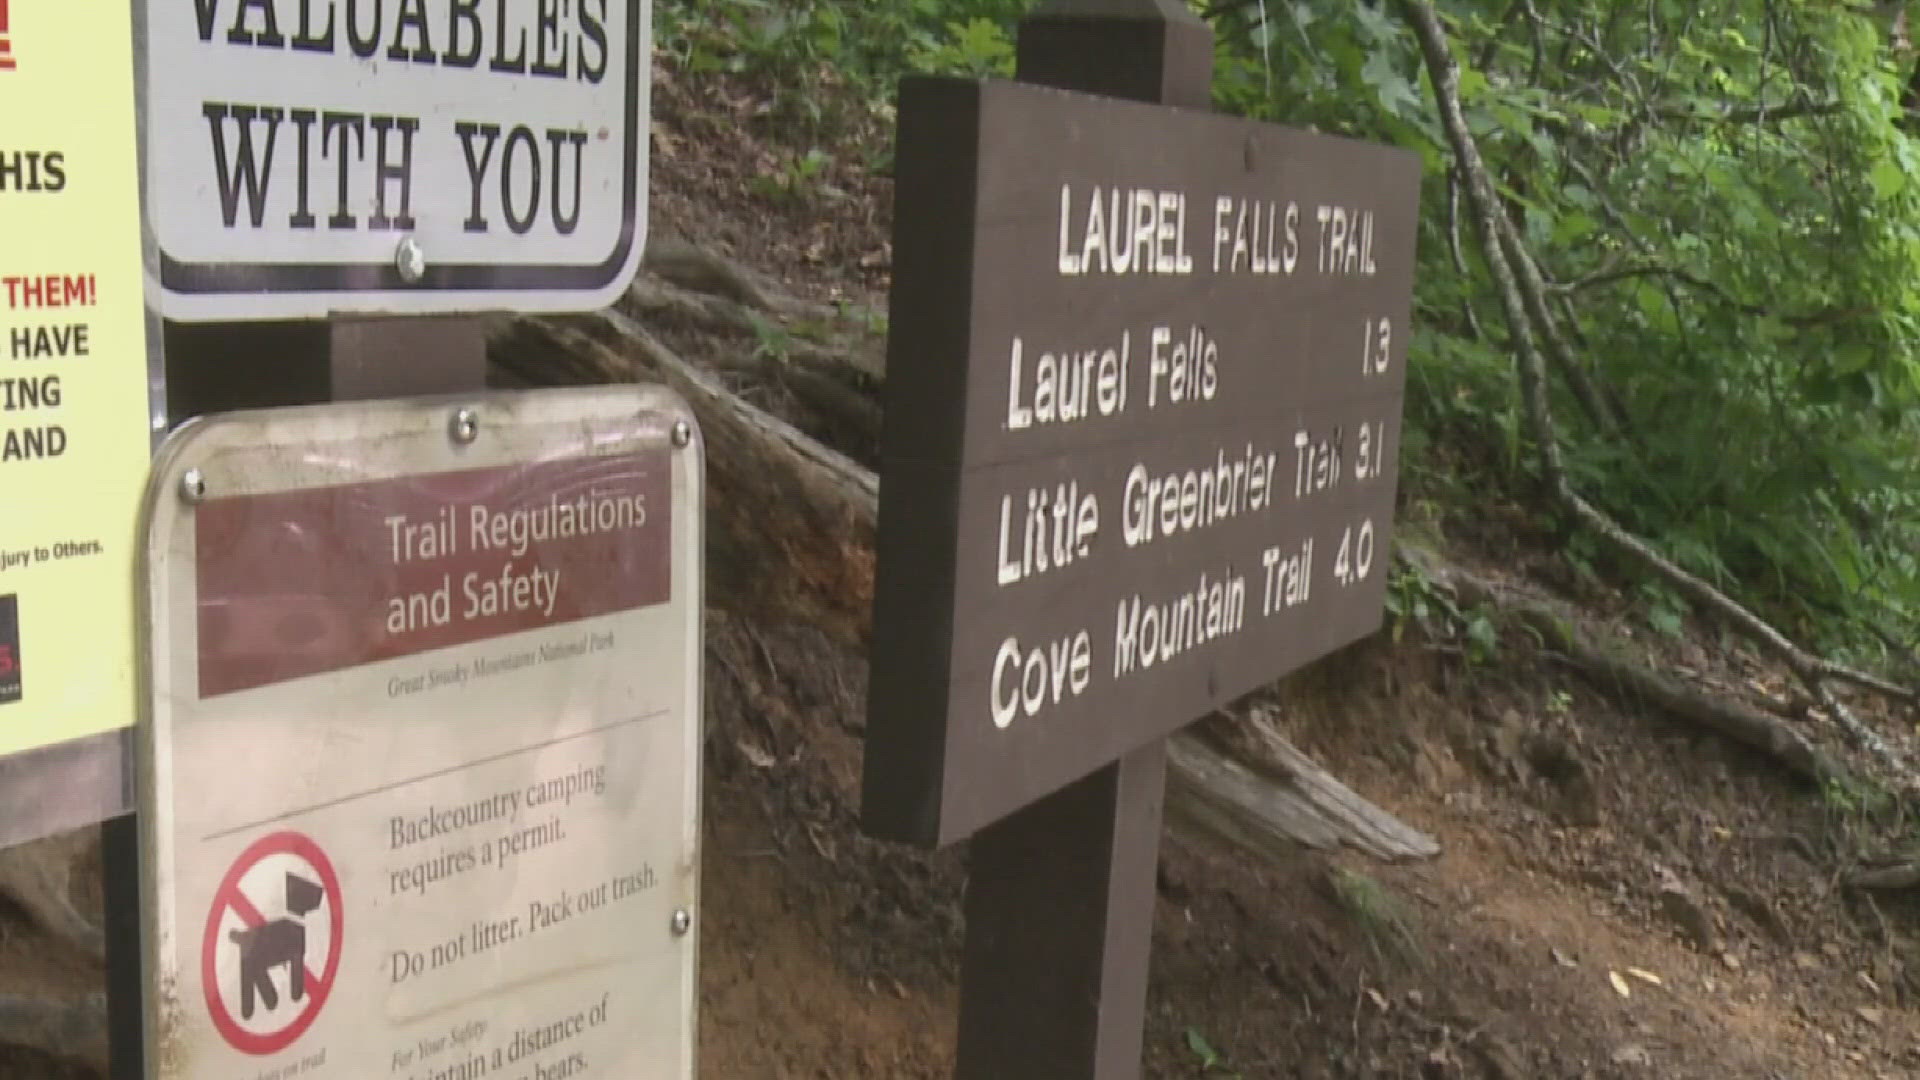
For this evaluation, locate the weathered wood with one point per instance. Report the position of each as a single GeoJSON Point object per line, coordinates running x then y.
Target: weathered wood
{"type": "Point", "coordinates": [842, 355]}
{"type": "Point", "coordinates": [1887, 878]}
{"type": "Point", "coordinates": [786, 473]}
{"type": "Point", "coordinates": [790, 534]}
{"type": "Point", "coordinates": [1264, 795]}
{"type": "Point", "coordinates": [790, 522]}
{"type": "Point", "coordinates": [702, 271]}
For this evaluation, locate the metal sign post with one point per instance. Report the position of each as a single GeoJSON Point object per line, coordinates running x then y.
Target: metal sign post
{"type": "Point", "coordinates": [1143, 409]}
{"type": "Point", "coordinates": [222, 367]}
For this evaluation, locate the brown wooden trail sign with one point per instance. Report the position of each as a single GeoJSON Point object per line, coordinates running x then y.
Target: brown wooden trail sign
{"type": "Point", "coordinates": [1140, 455]}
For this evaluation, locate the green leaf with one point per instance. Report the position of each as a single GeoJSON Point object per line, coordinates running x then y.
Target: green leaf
{"type": "Point", "coordinates": [1196, 1042]}
{"type": "Point", "coordinates": [1397, 95]}
{"type": "Point", "coordinates": [1888, 178]}
{"type": "Point", "coordinates": [1573, 227]}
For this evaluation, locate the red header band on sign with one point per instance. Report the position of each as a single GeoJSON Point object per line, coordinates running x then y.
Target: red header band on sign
{"type": "Point", "coordinates": [306, 582]}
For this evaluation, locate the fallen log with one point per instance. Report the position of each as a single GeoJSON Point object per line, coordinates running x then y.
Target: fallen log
{"type": "Point", "coordinates": [1254, 799]}
{"type": "Point", "coordinates": [1886, 878]}
{"type": "Point", "coordinates": [790, 523]}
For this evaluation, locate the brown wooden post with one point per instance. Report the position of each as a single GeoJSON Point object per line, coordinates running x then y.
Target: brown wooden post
{"type": "Point", "coordinates": [1059, 912]}
{"type": "Point", "coordinates": [1060, 897]}
{"type": "Point", "coordinates": [222, 367]}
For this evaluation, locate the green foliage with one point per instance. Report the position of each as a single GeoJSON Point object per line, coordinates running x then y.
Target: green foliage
{"type": "Point", "coordinates": [771, 341]}
{"type": "Point", "coordinates": [1382, 916]}
{"type": "Point", "coordinates": [1212, 1062]}
{"type": "Point", "coordinates": [1729, 208]}
{"type": "Point", "coordinates": [835, 63]}
{"type": "Point", "coordinates": [979, 47]}
{"type": "Point", "coordinates": [797, 178]}
{"type": "Point", "coordinates": [1723, 199]}
{"type": "Point", "coordinates": [1413, 599]}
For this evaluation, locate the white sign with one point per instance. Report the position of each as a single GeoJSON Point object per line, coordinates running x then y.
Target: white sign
{"type": "Point", "coordinates": [421, 770]}
{"type": "Point", "coordinates": [411, 156]}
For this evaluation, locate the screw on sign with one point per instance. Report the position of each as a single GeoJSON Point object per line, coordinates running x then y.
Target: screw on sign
{"type": "Point", "coordinates": [272, 943]}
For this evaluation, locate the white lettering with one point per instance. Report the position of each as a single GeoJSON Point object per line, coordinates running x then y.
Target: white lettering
{"type": "Point", "coordinates": [1069, 262]}
{"type": "Point", "coordinates": [1019, 416]}
{"type": "Point", "coordinates": [1047, 676]}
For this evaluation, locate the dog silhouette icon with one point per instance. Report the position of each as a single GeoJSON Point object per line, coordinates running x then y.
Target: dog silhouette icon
{"type": "Point", "coordinates": [274, 944]}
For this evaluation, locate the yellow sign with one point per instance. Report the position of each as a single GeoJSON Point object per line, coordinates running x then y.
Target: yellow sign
{"type": "Point", "coordinates": [73, 370]}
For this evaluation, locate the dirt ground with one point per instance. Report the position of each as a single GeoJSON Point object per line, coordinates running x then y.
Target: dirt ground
{"type": "Point", "coordinates": [1618, 895]}
{"type": "Point", "coordinates": [1538, 945]}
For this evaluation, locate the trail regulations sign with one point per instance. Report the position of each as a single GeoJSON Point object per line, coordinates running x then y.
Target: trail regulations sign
{"type": "Point", "coordinates": [407, 156]}
{"type": "Point", "coordinates": [1142, 421]}
{"type": "Point", "coordinates": [421, 782]}
{"type": "Point", "coordinates": [74, 434]}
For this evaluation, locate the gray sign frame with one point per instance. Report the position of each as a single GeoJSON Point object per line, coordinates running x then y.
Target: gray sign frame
{"type": "Point", "coordinates": [302, 454]}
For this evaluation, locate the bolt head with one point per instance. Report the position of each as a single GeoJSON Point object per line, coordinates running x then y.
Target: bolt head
{"type": "Point", "coordinates": [682, 922]}
{"type": "Point", "coordinates": [411, 260]}
{"type": "Point", "coordinates": [464, 427]}
{"type": "Point", "coordinates": [193, 485]}
{"type": "Point", "coordinates": [682, 434]}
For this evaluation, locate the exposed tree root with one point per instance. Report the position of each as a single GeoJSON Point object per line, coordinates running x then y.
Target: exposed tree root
{"type": "Point", "coordinates": [696, 272]}
{"type": "Point", "coordinates": [1887, 878]}
{"type": "Point", "coordinates": [1613, 670]}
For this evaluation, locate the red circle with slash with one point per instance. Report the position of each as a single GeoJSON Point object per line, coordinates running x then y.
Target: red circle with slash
{"type": "Point", "coordinates": [269, 944]}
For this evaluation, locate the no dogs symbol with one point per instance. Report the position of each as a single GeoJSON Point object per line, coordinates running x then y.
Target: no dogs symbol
{"type": "Point", "coordinates": [272, 945]}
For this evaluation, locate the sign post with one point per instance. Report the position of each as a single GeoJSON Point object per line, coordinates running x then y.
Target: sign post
{"type": "Point", "coordinates": [1143, 410]}
{"type": "Point", "coordinates": [1064, 889]}
{"type": "Point", "coordinates": [309, 176]}
{"type": "Point", "coordinates": [74, 425]}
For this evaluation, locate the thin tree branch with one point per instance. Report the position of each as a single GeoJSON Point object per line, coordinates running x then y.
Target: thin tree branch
{"type": "Point", "coordinates": [1459, 256]}
{"type": "Point", "coordinates": [1754, 114]}
{"type": "Point", "coordinates": [1533, 292]}
{"type": "Point", "coordinates": [1824, 317]}
{"type": "Point", "coordinates": [1530, 363]}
